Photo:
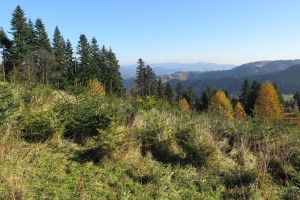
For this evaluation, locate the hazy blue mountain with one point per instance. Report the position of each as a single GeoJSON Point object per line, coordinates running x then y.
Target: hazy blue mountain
{"type": "Point", "coordinates": [129, 71]}
{"type": "Point", "coordinates": [286, 78]}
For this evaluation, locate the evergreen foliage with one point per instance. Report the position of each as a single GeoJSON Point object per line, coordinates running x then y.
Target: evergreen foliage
{"type": "Point", "coordinates": [42, 39]}
{"type": "Point", "coordinates": [20, 33]}
{"type": "Point", "coordinates": [169, 94]}
{"type": "Point", "coordinates": [245, 95]}
{"type": "Point", "coordinates": [255, 88]}
{"type": "Point", "coordinates": [205, 98]}
{"type": "Point", "coordinates": [160, 89]}
{"type": "Point", "coordinates": [146, 83]}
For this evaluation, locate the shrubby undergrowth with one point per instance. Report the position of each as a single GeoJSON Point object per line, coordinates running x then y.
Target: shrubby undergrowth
{"type": "Point", "coordinates": [55, 145]}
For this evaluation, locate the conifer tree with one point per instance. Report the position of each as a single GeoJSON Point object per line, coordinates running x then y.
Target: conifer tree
{"type": "Point", "coordinates": [221, 105]}
{"type": "Point", "coordinates": [267, 104]}
{"type": "Point", "coordinates": [255, 88]}
{"type": "Point", "coordinates": [69, 53]}
{"type": "Point", "coordinates": [205, 98]}
{"type": "Point", "coordinates": [58, 50]}
{"type": "Point", "coordinates": [179, 91]}
{"type": "Point", "coordinates": [83, 50]}
{"type": "Point", "coordinates": [160, 89]}
{"type": "Point", "coordinates": [6, 44]}
{"type": "Point", "coordinates": [114, 79]}
{"type": "Point", "coordinates": [20, 32]}
{"type": "Point", "coordinates": [296, 97]}
{"type": "Point", "coordinates": [245, 95]}
{"type": "Point", "coordinates": [150, 82]}
{"type": "Point", "coordinates": [42, 38]}
{"type": "Point", "coordinates": [32, 43]}
{"type": "Point", "coordinates": [140, 77]}
{"type": "Point", "coordinates": [169, 94]}
{"type": "Point", "coordinates": [95, 60]}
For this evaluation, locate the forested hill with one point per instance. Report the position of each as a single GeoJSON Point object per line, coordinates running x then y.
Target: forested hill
{"type": "Point", "coordinates": [286, 77]}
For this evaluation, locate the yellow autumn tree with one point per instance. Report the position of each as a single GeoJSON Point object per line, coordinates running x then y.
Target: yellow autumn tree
{"type": "Point", "coordinates": [298, 120]}
{"type": "Point", "coordinates": [267, 104]}
{"type": "Point", "coordinates": [95, 88]}
{"type": "Point", "coordinates": [239, 112]}
{"type": "Point", "coordinates": [221, 105]}
{"type": "Point", "coordinates": [184, 105]}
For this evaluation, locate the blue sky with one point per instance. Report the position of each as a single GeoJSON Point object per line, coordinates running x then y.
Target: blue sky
{"type": "Point", "coordinates": [219, 31]}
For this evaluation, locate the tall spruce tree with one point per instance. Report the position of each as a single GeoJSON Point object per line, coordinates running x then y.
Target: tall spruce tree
{"type": "Point", "coordinates": [69, 53]}
{"type": "Point", "coordinates": [160, 89]}
{"type": "Point", "coordinates": [58, 50]}
{"type": "Point", "coordinates": [169, 94]}
{"type": "Point", "coordinates": [140, 77]}
{"type": "Point", "coordinates": [6, 44]}
{"type": "Point", "coordinates": [205, 98]}
{"type": "Point", "coordinates": [255, 88]}
{"type": "Point", "coordinates": [20, 32]}
{"type": "Point", "coordinates": [95, 60]}
{"type": "Point", "coordinates": [114, 79]}
{"type": "Point", "coordinates": [179, 91]}
{"type": "Point", "coordinates": [32, 43]}
{"type": "Point", "coordinates": [42, 39]}
{"type": "Point", "coordinates": [245, 95]}
{"type": "Point", "coordinates": [83, 50]}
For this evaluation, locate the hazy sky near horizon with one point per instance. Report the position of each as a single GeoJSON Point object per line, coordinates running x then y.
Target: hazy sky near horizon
{"type": "Point", "coordinates": [218, 31]}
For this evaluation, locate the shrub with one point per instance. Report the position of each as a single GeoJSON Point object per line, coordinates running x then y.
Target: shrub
{"type": "Point", "coordinates": [36, 126]}
{"type": "Point", "coordinates": [197, 151]}
{"type": "Point", "coordinates": [8, 103]}
{"type": "Point", "coordinates": [221, 105]}
{"type": "Point", "coordinates": [267, 104]}
{"type": "Point", "coordinates": [83, 119]}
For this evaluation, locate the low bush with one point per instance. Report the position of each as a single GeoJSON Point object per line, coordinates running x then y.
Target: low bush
{"type": "Point", "coordinates": [36, 126]}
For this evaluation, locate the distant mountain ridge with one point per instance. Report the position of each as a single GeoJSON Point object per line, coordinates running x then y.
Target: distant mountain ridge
{"type": "Point", "coordinates": [129, 71]}
{"type": "Point", "coordinates": [285, 73]}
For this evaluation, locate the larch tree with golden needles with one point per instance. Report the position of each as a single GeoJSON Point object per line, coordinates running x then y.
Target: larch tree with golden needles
{"type": "Point", "coordinates": [221, 105]}
{"type": "Point", "coordinates": [184, 105]}
{"type": "Point", "coordinates": [95, 88]}
{"type": "Point", "coordinates": [239, 112]}
{"type": "Point", "coordinates": [267, 104]}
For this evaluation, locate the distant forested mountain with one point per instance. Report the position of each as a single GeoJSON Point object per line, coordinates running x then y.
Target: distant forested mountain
{"type": "Point", "coordinates": [287, 78]}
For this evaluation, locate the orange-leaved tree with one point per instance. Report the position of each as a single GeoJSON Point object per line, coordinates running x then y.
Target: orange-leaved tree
{"type": "Point", "coordinates": [184, 105]}
{"type": "Point", "coordinates": [221, 105]}
{"type": "Point", "coordinates": [267, 104]}
{"type": "Point", "coordinates": [239, 112]}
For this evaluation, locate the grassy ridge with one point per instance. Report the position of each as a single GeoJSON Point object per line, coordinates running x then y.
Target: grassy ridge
{"type": "Point", "coordinates": [57, 146]}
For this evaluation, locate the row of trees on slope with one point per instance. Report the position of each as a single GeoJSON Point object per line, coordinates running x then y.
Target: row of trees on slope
{"type": "Point", "coordinates": [262, 100]}
{"type": "Point", "coordinates": [30, 56]}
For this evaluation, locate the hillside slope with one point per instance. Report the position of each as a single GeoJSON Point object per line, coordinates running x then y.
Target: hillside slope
{"type": "Point", "coordinates": [53, 145]}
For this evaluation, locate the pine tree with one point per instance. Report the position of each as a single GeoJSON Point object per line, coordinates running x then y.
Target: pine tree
{"type": "Point", "coordinates": [140, 77]}
{"type": "Point", "coordinates": [69, 53]}
{"type": "Point", "coordinates": [32, 43]}
{"type": "Point", "coordinates": [95, 61]}
{"type": "Point", "coordinates": [221, 105]}
{"type": "Point", "coordinates": [6, 44]}
{"type": "Point", "coordinates": [160, 89]}
{"type": "Point", "coordinates": [114, 78]}
{"type": "Point", "coordinates": [245, 95]}
{"type": "Point", "coordinates": [267, 104]}
{"type": "Point", "coordinates": [296, 97]}
{"type": "Point", "coordinates": [205, 98]}
{"type": "Point", "coordinates": [150, 82]}
{"type": "Point", "coordinates": [20, 33]}
{"type": "Point", "coordinates": [255, 88]}
{"type": "Point", "coordinates": [42, 38]}
{"type": "Point", "coordinates": [58, 50]}
{"type": "Point", "coordinates": [179, 91]}
{"type": "Point", "coordinates": [83, 50]}
{"type": "Point", "coordinates": [169, 94]}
